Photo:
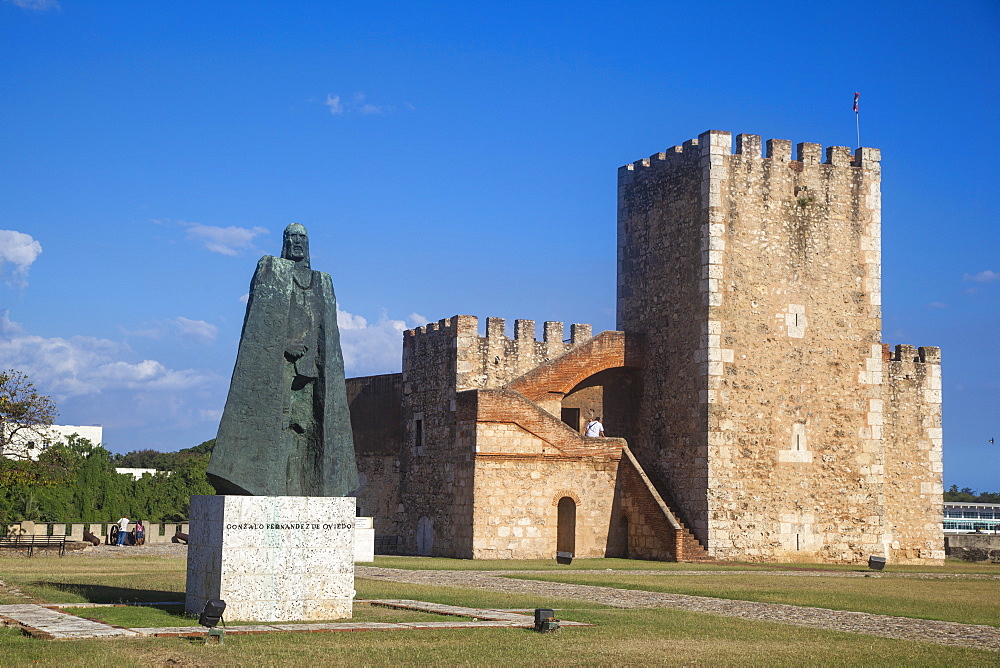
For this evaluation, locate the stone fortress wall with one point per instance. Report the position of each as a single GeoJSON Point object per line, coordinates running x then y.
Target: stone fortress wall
{"type": "Point", "coordinates": [440, 361]}
{"type": "Point", "coordinates": [911, 398]}
{"type": "Point", "coordinates": [750, 393]}
{"type": "Point", "coordinates": [756, 280]}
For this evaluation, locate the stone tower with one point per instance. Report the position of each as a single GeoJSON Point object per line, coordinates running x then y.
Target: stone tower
{"type": "Point", "coordinates": [773, 418]}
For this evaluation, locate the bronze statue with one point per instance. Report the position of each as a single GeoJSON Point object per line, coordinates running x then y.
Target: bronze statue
{"type": "Point", "coordinates": [286, 428]}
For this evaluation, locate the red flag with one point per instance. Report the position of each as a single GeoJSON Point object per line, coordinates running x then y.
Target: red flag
{"type": "Point", "coordinates": [856, 96]}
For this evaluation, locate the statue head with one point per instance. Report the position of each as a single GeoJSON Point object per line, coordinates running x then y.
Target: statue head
{"type": "Point", "coordinates": [295, 244]}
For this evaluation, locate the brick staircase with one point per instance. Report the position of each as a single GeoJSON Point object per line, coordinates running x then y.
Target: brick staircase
{"type": "Point", "coordinates": [508, 406]}
{"type": "Point", "coordinates": [661, 535]}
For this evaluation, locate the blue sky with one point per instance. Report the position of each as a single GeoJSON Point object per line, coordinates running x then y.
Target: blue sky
{"type": "Point", "coordinates": [449, 158]}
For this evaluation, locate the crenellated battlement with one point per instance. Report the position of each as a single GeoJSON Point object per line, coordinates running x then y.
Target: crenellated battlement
{"type": "Point", "coordinates": [751, 147]}
{"type": "Point", "coordinates": [907, 353]}
{"type": "Point", "coordinates": [488, 361]}
{"type": "Point", "coordinates": [524, 330]}
{"type": "Point", "coordinates": [442, 329]}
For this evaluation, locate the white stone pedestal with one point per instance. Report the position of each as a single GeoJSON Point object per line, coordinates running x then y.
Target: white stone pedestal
{"type": "Point", "coordinates": [272, 558]}
{"type": "Point", "coordinates": [364, 539]}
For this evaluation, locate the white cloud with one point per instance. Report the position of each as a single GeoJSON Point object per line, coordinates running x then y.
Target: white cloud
{"type": "Point", "coordinates": [369, 109]}
{"type": "Point", "coordinates": [933, 306]}
{"type": "Point", "coordinates": [230, 240]}
{"type": "Point", "coordinates": [349, 321]}
{"type": "Point", "coordinates": [85, 365]}
{"type": "Point", "coordinates": [81, 365]}
{"type": "Point", "coordinates": [36, 5]}
{"type": "Point", "coordinates": [7, 326]}
{"type": "Point", "coordinates": [245, 298]}
{"type": "Point", "coordinates": [19, 250]}
{"type": "Point", "coordinates": [373, 348]}
{"type": "Point", "coordinates": [95, 380]}
{"type": "Point", "coordinates": [197, 330]}
{"type": "Point", "coordinates": [333, 101]}
{"type": "Point", "coordinates": [983, 277]}
{"type": "Point", "coordinates": [210, 415]}
{"type": "Point", "coordinates": [358, 106]}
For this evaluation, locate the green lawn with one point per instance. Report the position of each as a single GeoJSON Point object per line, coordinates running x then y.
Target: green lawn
{"type": "Point", "coordinates": [955, 600]}
{"type": "Point", "coordinates": [627, 637]}
{"type": "Point", "coordinates": [951, 566]}
{"type": "Point", "coordinates": [85, 580]}
{"type": "Point", "coordinates": [135, 617]}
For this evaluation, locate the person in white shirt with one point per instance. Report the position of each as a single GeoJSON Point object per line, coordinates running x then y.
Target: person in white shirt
{"type": "Point", "coordinates": [122, 530]}
{"type": "Point", "coordinates": [594, 428]}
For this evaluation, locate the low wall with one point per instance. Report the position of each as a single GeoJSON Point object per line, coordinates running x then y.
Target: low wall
{"type": "Point", "coordinates": [163, 532]}
{"type": "Point", "coordinates": [155, 532]}
{"type": "Point", "coordinates": [973, 547]}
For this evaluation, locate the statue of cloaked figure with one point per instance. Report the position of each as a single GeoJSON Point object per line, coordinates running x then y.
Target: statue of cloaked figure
{"type": "Point", "coordinates": [286, 429]}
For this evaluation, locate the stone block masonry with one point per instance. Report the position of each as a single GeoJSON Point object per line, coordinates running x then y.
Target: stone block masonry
{"type": "Point", "coordinates": [436, 492]}
{"type": "Point", "coordinates": [764, 418]}
{"type": "Point", "coordinates": [756, 280]}
{"type": "Point", "coordinates": [911, 402]}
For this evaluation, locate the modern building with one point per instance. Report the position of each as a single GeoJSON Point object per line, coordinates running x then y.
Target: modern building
{"type": "Point", "coordinates": [968, 517]}
{"type": "Point", "coordinates": [29, 446]}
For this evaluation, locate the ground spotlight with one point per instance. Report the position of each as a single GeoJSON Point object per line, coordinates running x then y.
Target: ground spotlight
{"type": "Point", "coordinates": [876, 563]}
{"type": "Point", "coordinates": [210, 617]}
{"type": "Point", "coordinates": [545, 620]}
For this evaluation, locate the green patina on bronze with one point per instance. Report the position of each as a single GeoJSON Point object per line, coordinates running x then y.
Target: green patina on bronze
{"type": "Point", "coordinates": [286, 428]}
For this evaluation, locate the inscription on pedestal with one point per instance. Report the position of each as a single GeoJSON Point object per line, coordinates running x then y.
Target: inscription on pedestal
{"type": "Point", "coordinates": [269, 563]}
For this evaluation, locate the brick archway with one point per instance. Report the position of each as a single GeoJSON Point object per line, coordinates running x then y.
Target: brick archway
{"type": "Point", "coordinates": [565, 493]}
{"type": "Point", "coordinates": [607, 350]}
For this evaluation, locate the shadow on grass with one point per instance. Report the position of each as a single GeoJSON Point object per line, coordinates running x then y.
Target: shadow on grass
{"type": "Point", "coordinates": [104, 594]}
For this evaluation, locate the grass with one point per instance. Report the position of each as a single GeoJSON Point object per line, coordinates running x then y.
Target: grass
{"type": "Point", "coordinates": [632, 637]}
{"type": "Point", "coordinates": [965, 601]}
{"type": "Point", "coordinates": [441, 563]}
{"type": "Point", "coordinates": [134, 617]}
{"type": "Point", "coordinates": [82, 580]}
{"type": "Point", "coordinates": [951, 566]}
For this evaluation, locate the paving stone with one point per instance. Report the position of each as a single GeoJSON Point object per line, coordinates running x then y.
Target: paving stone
{"type": "Point", "coordinates": [39, 621]}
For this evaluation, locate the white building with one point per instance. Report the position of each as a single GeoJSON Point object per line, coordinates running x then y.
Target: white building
{"type": "Point", "coordinates": [969, 517]}
{"type": "Point", "coordinates": [138, 473]}
{"type": "Point", "coordinates": [31, 444]}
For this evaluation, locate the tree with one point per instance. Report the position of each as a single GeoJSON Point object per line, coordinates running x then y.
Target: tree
{"type": "Point", "coordinates": [203, 448]}
{"type": "Point", "coordinates": [25, 415]}
{"type": "Point", "coordinates": [144, 459]}
{"type": "Point", "coordinates": [969, 495]}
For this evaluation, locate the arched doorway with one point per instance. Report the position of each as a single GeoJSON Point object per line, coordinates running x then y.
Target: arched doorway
{"type": "Point", "coordinates": [611, 394]}
{"type": "Point", "coordinates": [566, 529]}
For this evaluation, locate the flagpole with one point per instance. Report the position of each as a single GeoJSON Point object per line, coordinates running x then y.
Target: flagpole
{"type": "Point", "coordinates": [857, 122]}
